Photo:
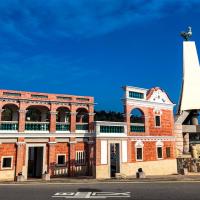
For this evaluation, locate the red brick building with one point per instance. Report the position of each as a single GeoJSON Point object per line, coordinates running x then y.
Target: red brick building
{"type": "Point", "coordinates": [145, 140]}
{"type": "Point", "coordinates": [56, 135]}
{"type": "Point", "coordinates": [45, 134]}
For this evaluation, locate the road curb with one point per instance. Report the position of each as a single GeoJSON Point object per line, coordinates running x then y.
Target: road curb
{"type": "Point", "coordinates": [99, 182]}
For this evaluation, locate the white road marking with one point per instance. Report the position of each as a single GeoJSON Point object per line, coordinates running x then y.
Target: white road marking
{"type": "Point", "coordinates": [91, 195]}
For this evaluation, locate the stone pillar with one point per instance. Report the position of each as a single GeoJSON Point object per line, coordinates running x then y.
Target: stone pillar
{"type": "Point", "coordinates": [52, 157]}
{"type": "Point", "coordinates": [72, 156]}
{"type": "Point", "coordinates": [73, 119]}
{"type": "Point", "coordinates": [194, 152]}
{"type": "Point", "coordinates": [179, 139]}
{"type": "Point", "coordinates": [186, 143]}
{"type": "Point", "coordinates": [194, 119]}
{"type": "Point", "coordinates": [21, 150]}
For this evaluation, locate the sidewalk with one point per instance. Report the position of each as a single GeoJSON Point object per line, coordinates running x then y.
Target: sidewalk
{"type": "Point", "coordinates": [85, 180]}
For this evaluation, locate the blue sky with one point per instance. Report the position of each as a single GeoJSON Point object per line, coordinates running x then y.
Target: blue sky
{"type": "Point", "coordinates": [95, 47]}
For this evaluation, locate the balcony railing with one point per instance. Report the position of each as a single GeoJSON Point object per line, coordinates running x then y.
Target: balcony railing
{"type": "Point", "coordinates": [137, 128]}
{"type": "Point", "coordinates": [82, 126]}
{"type": "Point", "coordinates": [111, 129]}
{"type": "Point", "coordinates": [62, 126]}
{"type": "Point", "coordinates": [9, 125]}
{"type": "Point", "coordinates": [37, 126]}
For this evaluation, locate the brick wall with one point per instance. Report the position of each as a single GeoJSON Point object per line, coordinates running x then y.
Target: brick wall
{"type": "Point", "coordinates": [166, 123]}
{"type": "Point", "coordinates": [8, 150]}
{"type": "Point", "coordinates": [150, 151]}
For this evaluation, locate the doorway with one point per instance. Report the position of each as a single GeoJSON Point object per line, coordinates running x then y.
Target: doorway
{"type": "Point", "coordinates": [35, 162]}
{"type": "Point", "coordinates": [114, 159]}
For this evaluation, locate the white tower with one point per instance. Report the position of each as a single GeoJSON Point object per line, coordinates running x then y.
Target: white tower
{"type": "Point", "coordinates": [190, 98]}
{"type": "Point", "coordinates": [186, 122]}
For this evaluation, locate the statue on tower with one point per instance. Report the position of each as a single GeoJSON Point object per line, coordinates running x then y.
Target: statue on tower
{"type": "Point", "coordinates": [187, 35]}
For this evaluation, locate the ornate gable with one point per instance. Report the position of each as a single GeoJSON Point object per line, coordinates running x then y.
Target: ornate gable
{"type": "Point", "coordinates": [158, 95]}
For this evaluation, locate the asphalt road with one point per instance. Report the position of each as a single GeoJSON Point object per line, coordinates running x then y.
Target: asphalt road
{"type": "Point", "coordinates": [140, 191]}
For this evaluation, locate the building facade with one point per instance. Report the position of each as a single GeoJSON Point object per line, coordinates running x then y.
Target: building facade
{"type": "Point", "coordinates": [145, 140]}
{"type": "Point", "coordinates": [45, 134]}
{"type": "Point", "coordinates": [55, 134]}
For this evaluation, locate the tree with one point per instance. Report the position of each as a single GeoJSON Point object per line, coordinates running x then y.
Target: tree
{"type": "Point", "coordinates": [109, 116]}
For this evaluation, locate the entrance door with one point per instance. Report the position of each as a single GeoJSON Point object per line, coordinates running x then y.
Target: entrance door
{"type": "Point", "coordinates": [114, 159]}
{"type": "Point", "coordinates": [35, 162]}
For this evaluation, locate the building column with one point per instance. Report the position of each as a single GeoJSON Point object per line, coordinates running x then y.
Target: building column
{"type": "Point", "coordinates": [73, 119]}
{"type": "Point", "coordinates": [52, 158]}
{"type": "Point", "coordinates": [186, 143]}
{"type": "Point", "coordinates": [52, 122]}
{"type": "Point", "coordinates": [53, 113]}
{"type": "Point", "coordinates": [21, 145]}
{"type": "Point", "coordinates": [91, 118]}
{"type": "Point", "coordinates": [22, 116]}
{"type": "Point", "coordinates": [22, 120]}
{"type": "Point", "coordinates": [127, 118]}
{"type": "Point", "coordinates": [72, 156]}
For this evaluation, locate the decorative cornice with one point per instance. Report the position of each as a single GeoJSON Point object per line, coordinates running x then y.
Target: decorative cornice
{"type": "Point", "coordinates": [7, 134]}
{"type": "Point", "coordinates": [145, 103]}
{"type": "Point", "coordinates": [47, 101]}
{"type": "Point", "coordinates": [152, 138]}
{"type": "Point", "coordinates": [9, 100]}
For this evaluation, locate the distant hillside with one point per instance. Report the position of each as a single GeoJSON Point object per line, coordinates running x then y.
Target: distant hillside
{"type": "Point", "coordinates": [108, 116]}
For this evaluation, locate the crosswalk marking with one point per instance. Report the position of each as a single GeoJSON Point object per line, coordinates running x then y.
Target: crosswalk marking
{"type": "Point", "coordinates": [91, 195]}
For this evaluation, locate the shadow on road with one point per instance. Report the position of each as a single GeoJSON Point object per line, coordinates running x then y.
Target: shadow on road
{"type": "Point", "coordinates": [89, 190]}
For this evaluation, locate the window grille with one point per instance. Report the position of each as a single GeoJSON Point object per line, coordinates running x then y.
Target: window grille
{"type": "Point", "coordinates": [80, 157]}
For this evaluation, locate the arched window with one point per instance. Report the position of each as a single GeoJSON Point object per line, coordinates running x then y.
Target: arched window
{"type": "Point", "coordinates": [137, 120]}
{"type": "Point", "coordinates": [63, 115]}
{"type": "Point", "coordinates": [37, 114]}
{"type": "Point", "coordinates": [10, 113]}
{"type": "Point", "coordinates": [33, 115]}
{"type": "Point", "coordinates": [159, 149]}
{"type": "Point", "coordinates": [139, 150]}
{"type": "Point", "coordinates": [7, 115]}
{"type": "Point", "coordinates": [137, 116]}
{"type": "Point", "coordinates": [82, 116]}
